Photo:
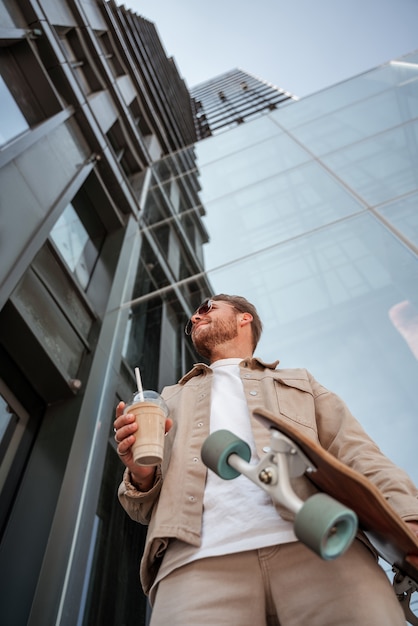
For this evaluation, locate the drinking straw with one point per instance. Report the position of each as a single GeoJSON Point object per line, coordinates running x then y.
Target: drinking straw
{"type": "Point", "coordinates": [139, 384]}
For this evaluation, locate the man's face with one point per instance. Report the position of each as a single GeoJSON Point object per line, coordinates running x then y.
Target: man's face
{"type": "Point", "coordinates": [214, 328]}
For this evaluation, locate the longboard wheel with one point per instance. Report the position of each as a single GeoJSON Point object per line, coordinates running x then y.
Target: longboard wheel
{"type": "Point", "coordinates": [218, 447]}
{"type": "Point", "coordinates": [326, 526]}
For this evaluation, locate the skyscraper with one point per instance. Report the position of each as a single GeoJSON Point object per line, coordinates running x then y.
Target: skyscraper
{"type": "Point", "coordinates": [311, 211]}
{"type": "Point", "coordinates": [233, 98]}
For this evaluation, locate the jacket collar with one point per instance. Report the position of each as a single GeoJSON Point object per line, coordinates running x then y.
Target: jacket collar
{"type": "Point", "coordinates": [251, 362]}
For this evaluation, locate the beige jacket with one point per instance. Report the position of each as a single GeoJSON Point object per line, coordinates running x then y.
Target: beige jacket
{"type": "Point", "coordinates": [292, 393]}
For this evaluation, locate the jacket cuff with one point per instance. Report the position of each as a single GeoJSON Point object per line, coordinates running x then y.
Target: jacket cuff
{"type": "Point", "coordinates": [132, 492]}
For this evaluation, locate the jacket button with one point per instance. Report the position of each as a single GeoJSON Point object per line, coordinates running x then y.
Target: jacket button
{"type": "Point", "coordinates": [192, 498]}
{"type": "Point", "coordinates": [253, 393]}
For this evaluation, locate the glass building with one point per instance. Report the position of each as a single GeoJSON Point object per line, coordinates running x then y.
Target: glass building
{"type": "Point", "coordinates": [312, 214]}
{"type": "Point", "coordinates": [116, 222]}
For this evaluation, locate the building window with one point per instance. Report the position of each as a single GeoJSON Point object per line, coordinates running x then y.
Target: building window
{"type": "Point", "coordinates": [123, 151]}
{"type": "Point", "coordinates": [139, 118]}
{"type": "Point", "coordinates": [81, 61]}
{"type": "Point", "coordinates": [71, 239]}
{"type": "Point", "coordinates": [12, 121]}
{"type": "Point", "coordinates": [110, 54]}
{"type": "Point", "coordinates": [27, 96]}
{"type": "Point", "coordinates": [13, 422]}
{"type": "Point", "coordinates": [15, 440]}
{"type": "Point", "coordinates": [79, 235]}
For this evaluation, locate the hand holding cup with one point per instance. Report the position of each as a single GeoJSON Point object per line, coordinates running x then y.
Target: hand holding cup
{"type": "Point", "coordinates": [126, 428]}
{"type": "Point", "coordinates": [150, 413]}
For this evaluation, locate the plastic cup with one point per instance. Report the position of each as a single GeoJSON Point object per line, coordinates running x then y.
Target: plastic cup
{"type": "Point", "coordinates": [150, 414]}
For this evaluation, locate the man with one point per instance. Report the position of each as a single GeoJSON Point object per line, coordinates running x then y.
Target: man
{"type": "Point", "coordinates": [218, 552]}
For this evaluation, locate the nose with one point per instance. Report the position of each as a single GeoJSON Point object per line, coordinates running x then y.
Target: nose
{"type": "Point", "coordinates": [196, 317]}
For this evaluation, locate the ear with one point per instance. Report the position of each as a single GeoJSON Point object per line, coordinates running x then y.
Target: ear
{"type": "Point", "coordinates": [246, 318]}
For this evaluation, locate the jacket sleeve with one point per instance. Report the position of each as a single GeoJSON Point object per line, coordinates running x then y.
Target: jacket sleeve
{"type": "Point", "coordinates": [138, 504]}
{"type": "Point", "coordinates": [342, 435]}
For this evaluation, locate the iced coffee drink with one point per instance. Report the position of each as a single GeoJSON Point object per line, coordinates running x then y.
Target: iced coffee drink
{"type": "Point", "coordinates": [150, 413]}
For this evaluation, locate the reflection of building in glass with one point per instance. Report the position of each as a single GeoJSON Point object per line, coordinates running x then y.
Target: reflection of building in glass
{"type": "Point", "coordinates": [310, 209]}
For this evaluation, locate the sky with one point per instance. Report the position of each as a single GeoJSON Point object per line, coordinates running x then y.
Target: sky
{"type": "Point", "coordinates": [301, 46]}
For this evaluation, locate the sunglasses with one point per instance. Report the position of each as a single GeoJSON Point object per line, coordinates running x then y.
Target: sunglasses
{"type": "Point", "coordinates": [204, 309]}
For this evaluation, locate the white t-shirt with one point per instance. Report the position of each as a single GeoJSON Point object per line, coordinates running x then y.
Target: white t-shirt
{"type": "Point", "coordinates": [237, 515]}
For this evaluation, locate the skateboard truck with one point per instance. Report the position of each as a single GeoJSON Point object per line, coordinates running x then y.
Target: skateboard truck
{"type": "Point", "coordinates": [321, 523]}
{"type": "Point", "coordinates": [404, 587]}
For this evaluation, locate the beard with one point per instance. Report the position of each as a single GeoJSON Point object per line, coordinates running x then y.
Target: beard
{"type": "Point", "coordinates": [214, 333]}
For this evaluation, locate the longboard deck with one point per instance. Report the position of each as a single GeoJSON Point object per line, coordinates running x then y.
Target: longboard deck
{"type": "Point", "coordinates": [390, 535]}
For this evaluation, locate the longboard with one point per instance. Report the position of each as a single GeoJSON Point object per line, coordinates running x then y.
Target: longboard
{"type": "Point", "coordinates": [390, 535]}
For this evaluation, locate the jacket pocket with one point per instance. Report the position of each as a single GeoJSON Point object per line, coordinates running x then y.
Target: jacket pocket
{"type": "Point", "coordinates": [296, 402]}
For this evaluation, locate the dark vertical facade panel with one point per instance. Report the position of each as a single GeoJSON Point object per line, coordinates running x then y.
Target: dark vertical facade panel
{"type": "Point", "coordinates": [60, 584]}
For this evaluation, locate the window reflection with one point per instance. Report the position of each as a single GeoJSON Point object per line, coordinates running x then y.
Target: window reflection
{"type": "Point", "coordinates": [403, 214]}
{"type": "Point", "coordinates": [380, 168]}
{"type": "Point", "coordinates": [272, 211]}
{"type": "Point", "coordinates": [233, 141]}
{"type": "Point", "coordinates": [361, 120]}
{"type": "Point", "coordinates": [12, 122]}
{"type": "Point", "coordinates": [7, 425]}
{"type": "Point", "coordinates": [71, 238]}
{"type": "Point", "coordinates": [257, 162]}
{"type": "Point", "coordinates": [13, 422]}
{"type": "Point", "coordinates": [353, 264]}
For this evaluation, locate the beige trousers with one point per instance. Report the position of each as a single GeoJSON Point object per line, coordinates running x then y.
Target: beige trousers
{"type": "Point", "coordinates": [285, 585]}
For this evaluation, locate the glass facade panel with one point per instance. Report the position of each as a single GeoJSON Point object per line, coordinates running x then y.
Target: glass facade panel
{"type": "Point", "coordinates": [348, 92]}
{"type": "Point", "coordinates": [78, 236]}
{"type": "Point", "coordinates": [380, 168]}
{"type": "Point", "coordinates": [343, 303]}
{"type": "Point", "coordinates": [12, 122]}
{"type": "Point", "coordinates": [259, 130]}
{"type": "Point", "coordinates": [403, 214]}
{"type": "Point", "coordinates": [240, 169]}
{"type": "Point", "coordinates": [362, 120]}
{"type": "Point", "coordinates": [273, 210]}
{"type": "Point", "coordinates": [71, 238]}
